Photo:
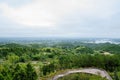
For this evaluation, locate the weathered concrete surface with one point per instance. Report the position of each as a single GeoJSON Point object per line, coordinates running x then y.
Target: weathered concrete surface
{"type": "Point", "coordinates": [94, 71]}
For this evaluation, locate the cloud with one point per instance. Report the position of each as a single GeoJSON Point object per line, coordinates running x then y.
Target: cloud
{"type": "Point", "coordinates": [48, 13]}
{"type": "Point", "coordinates": [38, 13]}
{"type": "Point", "coordinates": [62, 18]}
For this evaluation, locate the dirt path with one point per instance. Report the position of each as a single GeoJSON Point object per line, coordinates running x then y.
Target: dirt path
{"type": "Point", "coordinates": [95, 71]}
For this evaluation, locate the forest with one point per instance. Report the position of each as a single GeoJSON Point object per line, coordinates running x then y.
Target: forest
{"type": "Point", "coordinates": [41, 61]}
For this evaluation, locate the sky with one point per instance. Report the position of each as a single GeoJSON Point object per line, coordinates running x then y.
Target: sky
{"type": "Point", "coordinates": [60, 18]}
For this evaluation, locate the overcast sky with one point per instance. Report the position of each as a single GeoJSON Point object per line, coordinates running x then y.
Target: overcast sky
{"type": "Point", "coordinates": [60, 18]}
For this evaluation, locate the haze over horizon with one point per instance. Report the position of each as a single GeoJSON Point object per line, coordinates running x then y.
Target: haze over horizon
{"type": "Point", "coordinates": [60, 18]}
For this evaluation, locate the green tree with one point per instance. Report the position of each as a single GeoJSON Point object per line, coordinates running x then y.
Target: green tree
{"type": "Point", "coordinates": [19, 73]}
{"type": "Point", "coordinates": [31, 74]}
{"type": "Point", "coordinates": [1, 77]}
{"type": "Point", "coordinates": [116, 75]}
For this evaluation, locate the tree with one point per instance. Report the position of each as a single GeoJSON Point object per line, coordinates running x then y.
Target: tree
{"type": "Point", "coordinates": [31, 74]}
{"type": "Point", "coordinates": [5, 75]}
{"type": "Point", "coordinates": [83, 49]}
{"type": "Point", "coordinates": [1, 77]}
{"type": "Point", "coordinates": [116, 76]}
{"type": "Point", "coordinates": [12, 58]}
{"type": "Point", "coordinates": [19, 73]}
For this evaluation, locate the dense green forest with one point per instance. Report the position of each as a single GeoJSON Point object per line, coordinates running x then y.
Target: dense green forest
{"type": "Point", "coordinates": [43, 61]}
